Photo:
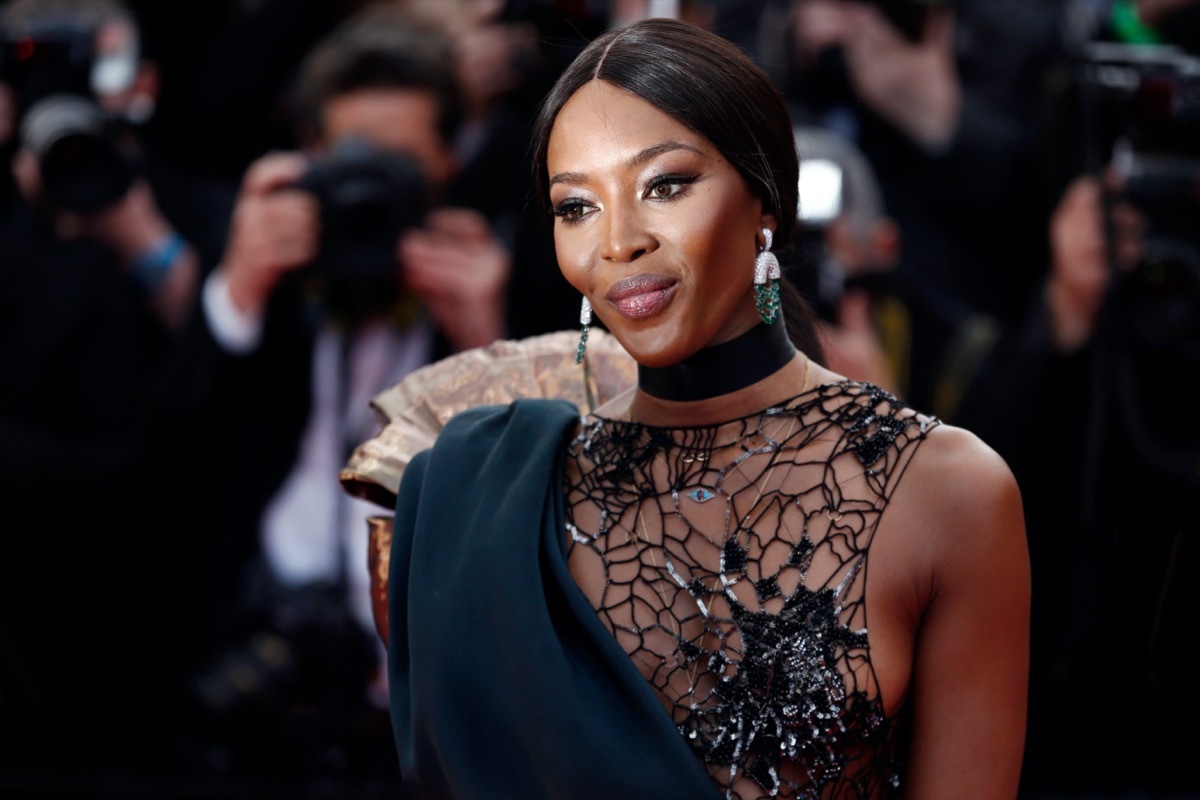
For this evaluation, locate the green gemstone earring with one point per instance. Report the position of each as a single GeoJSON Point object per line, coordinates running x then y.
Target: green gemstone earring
{"type": "Point", "coordinates": [766, 281]}
{"type": "Point", "coordinates": [585, 319]}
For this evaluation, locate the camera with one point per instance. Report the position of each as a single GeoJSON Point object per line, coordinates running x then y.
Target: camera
{"type": "Point", "coordinates": [1141, 126]}
{"type": "Point", "coordinates": [51, 56]}
{"type": "Point", "coordinates": [368, 197]}
{"type": "Point", "coordinates": [1145, 98]}
{"type": "Point", "coordinates": [908, 16]}
{"type": "Point", "coordinates": [87, 161]}
{"type": "Point", "coordinates": [1142, 122]}
{"type": "Point", "coordinates": [87, 158]}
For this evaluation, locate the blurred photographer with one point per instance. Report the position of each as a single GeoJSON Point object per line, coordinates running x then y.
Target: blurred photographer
{"type": "Point", "coordinates": [78, 89]}
{"type": "Point", "coordinates": [348, 265]}
{"type": "Point", "coordinates": [1084, 400]}
{"type": "Point", "coordinates": [944, 98]}
{"type": "Point", "coordinates": [509, 53]}
{"type": "Point", "coordinates": [98, 275]}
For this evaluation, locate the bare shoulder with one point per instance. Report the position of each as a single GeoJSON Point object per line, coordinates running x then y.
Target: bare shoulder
{"type": "Point", "coordinates": [961, 498]}
{"type": "Point", "coordinates": [958, 471]}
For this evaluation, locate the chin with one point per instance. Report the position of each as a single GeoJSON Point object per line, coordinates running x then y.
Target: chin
{"type": "Point", "coordinates": [651, 348]}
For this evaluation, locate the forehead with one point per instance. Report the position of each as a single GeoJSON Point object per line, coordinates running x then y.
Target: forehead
{"type": "Point", "coordinates": [602, 121]}
{"type": "Point", "coordinates": [401, 119]}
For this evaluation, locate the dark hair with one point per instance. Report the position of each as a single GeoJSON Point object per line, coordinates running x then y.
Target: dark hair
{"type": "Point", "coordinates": [707, 83]}
{"type": "Point", "coordinates": [380, 47]}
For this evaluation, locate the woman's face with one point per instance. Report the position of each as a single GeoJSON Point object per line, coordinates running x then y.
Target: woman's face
{"type": "Point", "coordinates": [653, 225]}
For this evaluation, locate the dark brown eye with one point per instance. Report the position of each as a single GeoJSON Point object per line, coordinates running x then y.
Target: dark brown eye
{"type": "Point", "coordinates": [570, 211]}
{"type": "Point", "coordinates": [669, 187]}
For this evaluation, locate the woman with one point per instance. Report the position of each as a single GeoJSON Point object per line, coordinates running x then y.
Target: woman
{"type": "Point", "coordinates": [695, 591]}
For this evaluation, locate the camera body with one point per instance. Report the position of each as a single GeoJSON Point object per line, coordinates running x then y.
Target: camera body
{"type": "Point", "coordinates": [908, 16]}
{"type": "Point", "coordinates": [87, 159]}
{"type": "Point", "coordinates": [87, 162]}
{"type": "Point", "coordinates": [55, 56]}
{"type": "Point", "coordinates": [1142, 120]}
{"type": "Point", "coordinates": [368, 197]}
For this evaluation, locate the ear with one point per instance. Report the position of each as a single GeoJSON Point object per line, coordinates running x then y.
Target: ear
{"type": "Point", "coordinates": [26, 174]}
{"type": "Point", "coordinates": [440, 163]}
{"type": "Point", "coordinates": [143, 92]}
{"type": "Point", "coordinates": [446, 166]}
{"type": "Point", "coordinates": [8, 115]}
{"type": "Point", "coordinates": [885, 243]}
{"type": "Point", "coordinates": [147, 81]}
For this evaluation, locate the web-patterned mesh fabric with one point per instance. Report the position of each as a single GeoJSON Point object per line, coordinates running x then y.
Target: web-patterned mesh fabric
{"type": "Point", "coordinates": [730, 563]}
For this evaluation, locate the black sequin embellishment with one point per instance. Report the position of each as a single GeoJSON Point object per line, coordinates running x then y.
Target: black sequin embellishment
{"type": "Point", "coordinates": [734, 557]}
{"type": "Point", "coordinates": [766, 588]}
{"type": "Point", "coordinates": [874, 429]}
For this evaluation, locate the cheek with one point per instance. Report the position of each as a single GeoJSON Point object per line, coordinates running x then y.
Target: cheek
{"type": "Point", "coordinates": [724, 276]}
{"type": "Point", "coordinates": [720, 247]}
{"type": "Point", "coordinates": [571, 260]}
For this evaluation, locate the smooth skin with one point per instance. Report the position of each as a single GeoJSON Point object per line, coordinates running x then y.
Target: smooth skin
{"type": "Point", "coordinates": [635, 195]}
{"type": "Point", "coordinates": [638, 195]}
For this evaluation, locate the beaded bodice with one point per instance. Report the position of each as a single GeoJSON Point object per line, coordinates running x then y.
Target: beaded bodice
{"type": "Point", "coordinates": [730, 563]}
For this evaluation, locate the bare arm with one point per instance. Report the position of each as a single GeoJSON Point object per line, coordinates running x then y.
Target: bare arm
{"type": "Point", "coordinates": [970, 678]}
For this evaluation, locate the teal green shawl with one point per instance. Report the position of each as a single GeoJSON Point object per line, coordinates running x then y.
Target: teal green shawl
{"type": "Point", "coordinates": [503, 680]}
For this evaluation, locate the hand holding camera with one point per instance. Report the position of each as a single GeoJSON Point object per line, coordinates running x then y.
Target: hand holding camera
{"type": "Point", "coordinates": [1079, 272]}
{"type": "Point", "coordinates": [358, 221]}
{"type": "Point", "coordinates": [1141, 117]}
{"type": "Point", "coordinates": [275, 230]}
{"type": "Point", "coordinates": [898, 55]}
{"type": "Point", "coordinates": [460, 271]}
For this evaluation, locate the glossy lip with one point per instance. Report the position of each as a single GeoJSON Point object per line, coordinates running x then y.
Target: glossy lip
{"type": "Point", "coordinates": [641, 295]}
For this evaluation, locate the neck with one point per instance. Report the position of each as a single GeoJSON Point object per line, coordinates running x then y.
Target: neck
{"type": "Point", "coordinates": [723, 368]}
{"type": "Point", "coordinates": [722, 382]}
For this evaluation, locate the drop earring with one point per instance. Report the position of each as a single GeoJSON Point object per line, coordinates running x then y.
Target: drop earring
{"type": "Point", "coordinates": [766, 281]}
{"type": "Point", "coordinates": [585, 319]}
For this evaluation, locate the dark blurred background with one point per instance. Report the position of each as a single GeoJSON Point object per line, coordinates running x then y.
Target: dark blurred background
{"type": "Point", "coordinates": [1000, 208]}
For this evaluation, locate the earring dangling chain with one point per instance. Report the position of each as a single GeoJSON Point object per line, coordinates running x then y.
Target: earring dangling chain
{"type": "Point", "coordinates": [585, 319]}
{"type": "Point", "coordinates": [766, 281]}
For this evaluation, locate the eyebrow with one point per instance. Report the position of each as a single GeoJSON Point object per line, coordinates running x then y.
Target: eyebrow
{"type": "Point", "coordinates": [649, 154]}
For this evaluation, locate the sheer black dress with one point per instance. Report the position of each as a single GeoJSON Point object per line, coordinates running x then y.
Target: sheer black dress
{"type": "Point", "coordinates": [730, 563]}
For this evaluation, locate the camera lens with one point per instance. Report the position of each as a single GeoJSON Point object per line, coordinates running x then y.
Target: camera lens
{"type": "Point", "coordinates": [78, 150]}
{"type": "Point", "coordinates": [368, 198]}
{"type": "Point", "coordinates": [364, 210]}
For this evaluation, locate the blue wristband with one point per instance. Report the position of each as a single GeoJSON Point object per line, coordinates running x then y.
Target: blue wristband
{"type": "Point", "coordinates": [152, 267]}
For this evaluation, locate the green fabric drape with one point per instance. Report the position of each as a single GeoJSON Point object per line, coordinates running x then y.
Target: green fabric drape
{"type": "Point", "coordinates": [503, 680]}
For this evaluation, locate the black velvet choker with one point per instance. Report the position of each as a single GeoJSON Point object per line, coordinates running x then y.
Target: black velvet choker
{"type": "Point", "coordinates": [722, 368]}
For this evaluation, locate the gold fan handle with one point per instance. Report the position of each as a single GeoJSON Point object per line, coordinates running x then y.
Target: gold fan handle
{"type": "Point", "coordinates": [379, 554]}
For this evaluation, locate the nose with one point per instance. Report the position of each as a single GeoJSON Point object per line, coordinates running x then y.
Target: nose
{"type": "Point", "coordinates": [625, 237]}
